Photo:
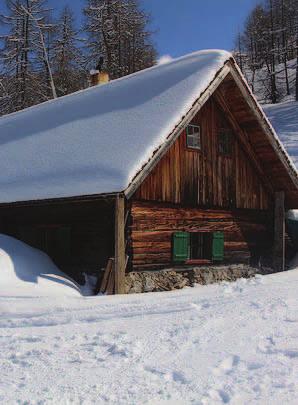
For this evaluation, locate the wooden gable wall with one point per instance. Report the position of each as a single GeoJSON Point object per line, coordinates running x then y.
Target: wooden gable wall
{"type": "Point", "coordinates": [206, 178]}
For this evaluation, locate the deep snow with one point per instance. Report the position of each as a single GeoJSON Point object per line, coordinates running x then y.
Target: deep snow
{"type": "Point", "coordinates": [231, 343]}
{"type": "Point", "coordinates": [96, 140]}
{"type": "Point", "coordinates": [284, 118]}
{"type": "Point", "coordinates": [262, 81]}
{"type": "Point", "coordinates": [25, 271]}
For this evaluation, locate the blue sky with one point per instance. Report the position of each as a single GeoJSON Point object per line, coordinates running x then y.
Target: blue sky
{"type": "Point", "coordinates": [184, 26]}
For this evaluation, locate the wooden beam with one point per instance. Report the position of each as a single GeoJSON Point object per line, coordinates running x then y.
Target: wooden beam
{"type": "Point", "coordinates": [105, 280]}
{"type": "Point", "coordinates": [61, 200]}
{"type": "Point", "coordinates": [242, 138]}
{"type": "Point", "coordinates": [120, 257]}
{"type": "Point", "coordinates": [279, 232]}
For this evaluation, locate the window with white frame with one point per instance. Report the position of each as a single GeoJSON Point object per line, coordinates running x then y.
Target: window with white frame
{"type": "Point", "coordinates": [193, 136]}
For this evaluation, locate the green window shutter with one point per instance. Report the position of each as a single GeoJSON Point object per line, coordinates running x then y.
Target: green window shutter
{"type": "Point", "coordinates": [180, 247]}
{"type": "Point", "coordinates": [218, 246]}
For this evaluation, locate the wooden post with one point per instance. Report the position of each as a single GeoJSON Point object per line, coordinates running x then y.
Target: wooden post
{"type": "Point", "coordinates": [279, 232]}
{"type": "Point", "coordinates": [120, 258]}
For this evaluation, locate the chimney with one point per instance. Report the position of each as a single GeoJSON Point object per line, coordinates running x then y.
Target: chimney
{"type": "Point", "coordinates": [98, 76]}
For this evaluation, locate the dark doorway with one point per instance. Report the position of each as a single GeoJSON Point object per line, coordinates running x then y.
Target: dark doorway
{"type": "Point", "coordinates": [78, 236]}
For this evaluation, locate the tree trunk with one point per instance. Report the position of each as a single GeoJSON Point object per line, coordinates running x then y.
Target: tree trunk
{"type": "Point", "coordinates": [284, 46]}
{"type": "Point", "coordinates": [272, 75]}
{"type": "Point", "coordinates": [297, 65]}
{"type": "Point", "coordinates": [240, 53]}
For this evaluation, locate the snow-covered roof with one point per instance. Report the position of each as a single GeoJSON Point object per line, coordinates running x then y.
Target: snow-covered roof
{"type": "Point", "coordinates": [96, 140]}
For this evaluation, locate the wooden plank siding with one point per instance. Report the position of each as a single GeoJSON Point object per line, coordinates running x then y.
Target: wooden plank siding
{"type": "Point", "coordinates": [206, 178]}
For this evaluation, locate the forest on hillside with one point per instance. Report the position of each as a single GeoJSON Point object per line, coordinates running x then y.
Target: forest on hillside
{"type": "Point", "coordinates": [46, 53]}
{"type": "Point", "coordinates": [43, 55]}
{"type": "Point", "coordinates": [267, 50]}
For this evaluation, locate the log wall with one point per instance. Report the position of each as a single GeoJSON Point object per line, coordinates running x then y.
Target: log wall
{"type": "Point", "coordinates": [247, 233]}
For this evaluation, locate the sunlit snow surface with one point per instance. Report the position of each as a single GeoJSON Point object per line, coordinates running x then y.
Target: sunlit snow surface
{"type": "Point", "coordinates": [284, 118]}
{"type": "Point", "coordinates": [28, 272]}
{"type": "Point", "coordinates": [231, 343]}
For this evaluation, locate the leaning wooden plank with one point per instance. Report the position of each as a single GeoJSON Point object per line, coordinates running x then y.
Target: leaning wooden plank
{"type": "Point", "coordinates": [110, 290]}
{"type": "Point", "coordinates": [106, 276]}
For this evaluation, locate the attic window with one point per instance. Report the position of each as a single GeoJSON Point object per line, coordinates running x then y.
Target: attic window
{"type": "Point", "coordinates": [225, 141]}
{"type": "Point", "coordinates": [193, 136]}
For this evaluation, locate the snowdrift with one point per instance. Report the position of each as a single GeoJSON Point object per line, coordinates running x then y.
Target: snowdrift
{"type": "Point", "coordinates": [284, 118]}
{"type": "Point", "coordinates": [25, 271]}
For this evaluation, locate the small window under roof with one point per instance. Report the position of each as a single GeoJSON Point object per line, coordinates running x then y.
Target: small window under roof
{"type": "Point", "coordinates": [193, 136]}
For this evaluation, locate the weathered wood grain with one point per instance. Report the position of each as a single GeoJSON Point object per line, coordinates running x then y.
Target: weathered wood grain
{"type": "Point", "coordinates": [247, 232]}
{"type": "Point", "coordinates": [207, 178]}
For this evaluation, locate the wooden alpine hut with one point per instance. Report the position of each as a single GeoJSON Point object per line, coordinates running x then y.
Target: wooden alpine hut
{"type": "Point", "coordinates": [176, 165]}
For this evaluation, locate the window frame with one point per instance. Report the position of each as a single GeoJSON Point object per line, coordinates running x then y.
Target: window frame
{"type": "Point", "coordinates": [213, 240]}
{"type": "Point", "coordinates": [200, 241]}
{"type": "Point", "coordinates": [192, 136]}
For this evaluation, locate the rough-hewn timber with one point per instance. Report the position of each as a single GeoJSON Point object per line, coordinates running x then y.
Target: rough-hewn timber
{"type": "Point", "coordinates": [248, 234]}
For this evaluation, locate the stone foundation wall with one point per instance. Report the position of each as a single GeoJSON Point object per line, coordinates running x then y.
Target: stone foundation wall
{"type": "Point", "coordinates": [170, 279]}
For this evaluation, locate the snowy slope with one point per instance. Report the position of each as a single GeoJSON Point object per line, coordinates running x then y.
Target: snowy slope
{"type": "Point", "coordinates": [25, 271]}
{"type": "Point", "coordinates": [284, 118]}
{"type": "Point", "coordinates": [262, 81]}
{"type": "Point", "coordinates": [96, 140]}
{"type": "Point", "coordinates": [231, 343]}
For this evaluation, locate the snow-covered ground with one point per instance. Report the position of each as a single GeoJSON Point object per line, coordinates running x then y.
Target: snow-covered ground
{"type": "Point", "coordinates": [230, 343]}
{"type": "Point", "coordinates": [284, 118]}
{"type": "Point", "coordinates": [261, 86]}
